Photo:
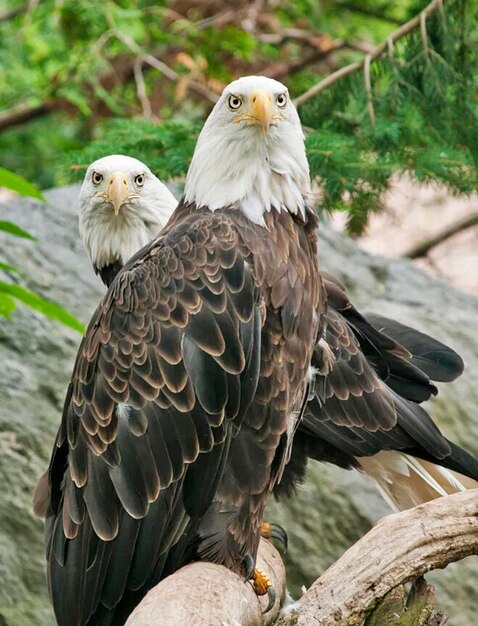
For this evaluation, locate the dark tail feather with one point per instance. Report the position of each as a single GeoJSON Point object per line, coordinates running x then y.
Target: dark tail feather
{"type": "Point", "coordinates": [461, 461]}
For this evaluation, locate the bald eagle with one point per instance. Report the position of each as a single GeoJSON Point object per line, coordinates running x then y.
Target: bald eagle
{"type": "Point", "coordinates": [365, 411]}
{"type": "Point", "coordinates": [141, 204]}
{"type": "Point", "coordinates": [193, 372]}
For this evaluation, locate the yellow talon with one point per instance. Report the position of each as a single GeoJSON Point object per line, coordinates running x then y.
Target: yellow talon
{"type": "Point", "coordinates": [261, 582]}
{"type": "Point", "coordinates": [274, 531]}
{"type": "Point", "coordinates": [266, 530]}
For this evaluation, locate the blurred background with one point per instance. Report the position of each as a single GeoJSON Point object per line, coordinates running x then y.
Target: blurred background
{"type": "Point", "coordinates": [392, 144]}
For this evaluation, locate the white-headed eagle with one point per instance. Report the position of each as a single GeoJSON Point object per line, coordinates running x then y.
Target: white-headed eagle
{"type": "Point", "coordinates": [193, 372]}
{"type": "Point", "coordinates": [124, 187]}
{"type": "Point", "coordinates": [365, 411]}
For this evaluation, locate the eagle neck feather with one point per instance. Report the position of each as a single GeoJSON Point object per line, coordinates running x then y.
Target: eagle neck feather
{"type": "Point", "coordinates": [253, 173]}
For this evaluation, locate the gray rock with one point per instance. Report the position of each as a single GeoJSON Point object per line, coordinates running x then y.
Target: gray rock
{"type": "Point", "coordinates": [334, 507]}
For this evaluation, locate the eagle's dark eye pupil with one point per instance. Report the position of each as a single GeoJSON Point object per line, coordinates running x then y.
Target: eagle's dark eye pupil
{"type": "Point", "coordinates": [139, 179]}
{"type": "Point", "coordinates": [234, 102]}
{"type": "Point", "coordinates": [97, 178]}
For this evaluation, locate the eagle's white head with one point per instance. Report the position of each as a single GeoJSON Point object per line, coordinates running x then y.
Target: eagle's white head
{"type": "Point", "coordinates": [123, 206]}
{"type": "Point", "coordinates": [251, 152]}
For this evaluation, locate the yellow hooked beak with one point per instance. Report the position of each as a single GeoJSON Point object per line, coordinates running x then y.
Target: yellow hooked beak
{"type": "Point", "coordinates": [118, 191]}
{"type": "Point", "coordinates": [261, 111]}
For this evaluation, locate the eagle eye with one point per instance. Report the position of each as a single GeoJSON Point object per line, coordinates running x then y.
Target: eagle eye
{"type": "Point", "coordinates": [139, 180]}
{"type": "Point", "coordinates": [97, 178]}
{"type": "Point", "coordinates": [281, 100]}
{"type": "Point", "coordinates": [234, 102]}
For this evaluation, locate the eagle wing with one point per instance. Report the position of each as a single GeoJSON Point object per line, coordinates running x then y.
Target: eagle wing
{"type": "Point", "coordinates": [367, 400]}
{"type": "Point", "coordinates": [369, 352]}
{"type": "Point", "coordinates": [166, 370]}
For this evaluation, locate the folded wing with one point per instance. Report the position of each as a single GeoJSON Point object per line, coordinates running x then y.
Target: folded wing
{"type": "Point", "coordinates": [164, 375]}
{"type": "Point", "coordinates": [365, 413]}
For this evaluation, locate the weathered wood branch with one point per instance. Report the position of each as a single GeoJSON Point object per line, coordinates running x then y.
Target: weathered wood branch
{"type": "Point", "coordinates": [205, 594]}
{"type": "Point", "coordinates": [370, 575]}
{"type": "Point", "coordinates": [399, 548]}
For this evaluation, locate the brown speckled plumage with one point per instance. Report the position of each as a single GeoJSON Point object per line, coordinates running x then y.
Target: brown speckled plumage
{"type": "Point", "coordinates": [181, 409]}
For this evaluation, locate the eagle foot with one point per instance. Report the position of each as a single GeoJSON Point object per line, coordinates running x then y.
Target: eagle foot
{"type": "Point", "coordinates": [269, 530]}
{"type": "Point", "coordinates": [262, 586]}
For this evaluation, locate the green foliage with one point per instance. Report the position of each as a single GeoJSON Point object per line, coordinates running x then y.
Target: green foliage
{"type": "Point", "coordinates": [74, 54]}
{"type": "Point", "coordinates": [166, 148]}
{"type": "Point", "coordinates": [35, 302]}
{"type": "Point", "coordinates": [37, 148]}
{"type": "Point", "coordinates": [425, 119]}
{"type": "Point", "coordinates": [11, 292]}
{"type": "Point", "coordinates": [81, 56]}
{"type": "Point", "coordinates": [13, 229]}
{"type": "Point", "coordinates": [17, 183]}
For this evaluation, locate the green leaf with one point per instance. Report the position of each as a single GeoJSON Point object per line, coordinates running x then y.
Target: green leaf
{"type": "Point", "coordinates": [13, 229]}
{"type": "Point", "coordinates": [7, 268]}
{"type": "Point", "coordinates": [37, 303]}
{"type": "Point", "coordinates": [7, 305]}
{"type": "Point", "coordinates": [17, 183]}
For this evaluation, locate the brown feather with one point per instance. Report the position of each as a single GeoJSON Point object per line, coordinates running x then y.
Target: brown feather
{"type": "Point", "coordinates": [182, 395]}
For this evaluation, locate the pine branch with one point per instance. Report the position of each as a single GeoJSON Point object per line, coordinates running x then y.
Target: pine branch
{"type": "Point", "coordinates": [122, 72]}
{"type": "Point", "coordinates": [285, 68]}
{"type": "Point", "coordinates": [401, 32]}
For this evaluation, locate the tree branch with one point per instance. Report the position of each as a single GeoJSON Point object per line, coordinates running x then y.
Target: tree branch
{"type": "Point", "coordinates": [11, 13]}
{"type": "Point", "coordinates": [20, 114]}
{"type": "Point", "coordinates": [284, 68]}
{"type": "Point", "coordinates": [375, 54]}
{"type": "Point", "coordinates": [203, 594]}
{"type": "Point", "coordinates": [141, 91]}
{"type": "Point", "coordinates": [398, 549]}
{"type": "Point", "coordinates": [423, 248]}
{"type": "Point", "coordinates": [365, 583]}
{"type": "Point", "coordinates": [165, 70]}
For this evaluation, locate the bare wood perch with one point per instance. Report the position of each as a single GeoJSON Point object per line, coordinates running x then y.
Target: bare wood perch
{"type": "Point", "coordinates": [205, 594]}
{"type": "Point", "coordinates": [399, 548]}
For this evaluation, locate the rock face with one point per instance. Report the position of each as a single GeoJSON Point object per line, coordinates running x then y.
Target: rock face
{"type": "Point", "coordinates": [334, 507]}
